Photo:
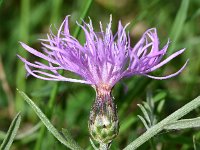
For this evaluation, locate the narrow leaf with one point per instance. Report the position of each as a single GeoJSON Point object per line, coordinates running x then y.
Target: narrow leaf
{"type": "Point", "coordinates": [161, 125]}
{"type": "Point", "coordinates": [68, 137]}
{"type": "Point", "coordinates": [93, 145]}
{"type": "Point", "coordinates": [160, 106]}
{"type": "Point", "coordinates": [178, 24]}
{"type": "Point", "coordinates": [160, 96]}
{"type": "Point", "coordinates": [184, 124]}
{"type": "Point", "coordinates": [85, 10]}
{"type": "Point", "coordinates": [1, 1]}
{"type": "Point", "coordinates": [23, 135]}
{"type": "Point", "coordinates": [12, 131]}
{"type": "Point", "coordinates": [146, 116]}
{"type": "Point", "coordinates": [48, 124]}
{"type": "Point", "coordinates": [29, 132]}
{"type": "Point", "coordinates": [147, 106]}
{"type": "Point", "coordinates": [149, 100]}
{"type": "Point", "coordinates": [143, 121]}
{"type": "Point", "coordinates": [194, 143]}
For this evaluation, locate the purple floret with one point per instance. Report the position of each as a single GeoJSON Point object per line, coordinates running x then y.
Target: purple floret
{"type": "Point", "coordinates": [103, 59]}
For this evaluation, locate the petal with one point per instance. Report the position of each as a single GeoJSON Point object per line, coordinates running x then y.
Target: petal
{"type": "Point", "coordinates": [166, 60]}
{"type": "Point", "coordinates": [168, 76]}
{"type": "Point", "coordinates": [38, 54]}
{"type": "Point", "coordinates": [41, 66]}
{"type": "Point", "coordinates": [53, 77]}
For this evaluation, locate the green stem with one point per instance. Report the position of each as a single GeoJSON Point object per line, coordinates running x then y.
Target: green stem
{"type": "Point", "coordinates": [160, 126]}
{"type": "Point", "coordinates": [55, 10]}
{"type": "Point", "coordinates": [82, 16]}
{"type": "Point", "coordinates": [21, 73]}
{"type": "Point", "coordinates": [103, 146]}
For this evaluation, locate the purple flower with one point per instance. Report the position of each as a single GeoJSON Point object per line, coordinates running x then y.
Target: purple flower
{"type": "Point", "coordinates": [102, 60]}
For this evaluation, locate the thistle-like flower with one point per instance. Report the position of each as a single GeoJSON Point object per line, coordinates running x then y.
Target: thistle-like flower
{"type": "Point", "coordinates": [103, 60]}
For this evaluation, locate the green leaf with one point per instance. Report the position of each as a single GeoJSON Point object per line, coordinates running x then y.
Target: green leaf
{"type": "Point", "coordinates": [160, 106]}
{"type": "Point", "coordinates": [196, 144]}
{"type": "Point", "coordinates": [160, 96]}
{"type": "Point", "coordinates": [196, 14]}
{"type": "Point", "coordinates": [178, 24]}
{"type": "Point", "coordinates": [85, 10]}
{"type": "Point", "coordinates": [143, 121]}
{"type": "Point", "coordinates": [70, 143]}
{"type": "Point", "coordinates": [12, 131]}
{"type": "Point", "coordinates": [184, 124]}
{"type": "Point", "coordinates": [147, 106]}
{"type": "Point", "coordinates": [1, 1]}
{"type": "Point", "coordinates": [23, 135]}
{"type": "Point", "coordinates": [68, 136]}
{"type": "Point", "coordinates": [145, 113]}
{"type": "Point", "coordinates": [151, 132]}
{"type": "Point", "coordinates": [29, 132]}
{"type": "Point", "coordinates": [93, 145]}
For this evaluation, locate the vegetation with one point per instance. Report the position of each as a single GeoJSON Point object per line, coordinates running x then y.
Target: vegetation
{"type": "Point", "coordinates": [68, 105]}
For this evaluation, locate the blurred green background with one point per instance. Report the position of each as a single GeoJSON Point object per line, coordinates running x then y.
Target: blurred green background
{"type": "Point", "coordinates": [68, 104]}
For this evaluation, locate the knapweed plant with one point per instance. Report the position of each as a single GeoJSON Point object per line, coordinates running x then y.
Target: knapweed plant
{"type": "Point", "coordinates": [102, 61]}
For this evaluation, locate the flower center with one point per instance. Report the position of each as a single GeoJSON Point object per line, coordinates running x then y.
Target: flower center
{"type": "Point", "coordinates": [103, 90]}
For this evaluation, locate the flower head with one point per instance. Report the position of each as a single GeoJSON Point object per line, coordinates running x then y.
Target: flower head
{"type": "Point", "coordinates": [102, 60]}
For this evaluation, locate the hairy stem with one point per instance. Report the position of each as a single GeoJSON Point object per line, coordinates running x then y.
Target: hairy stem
{"type": "Point", "coordinates": [103, 146]}
{"type": "Point", "coordinates": [160, 126]}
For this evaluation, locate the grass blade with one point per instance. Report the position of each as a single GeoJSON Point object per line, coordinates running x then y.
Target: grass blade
{"type": "Point", "coordinates": [1, 1]}
{"type": "Point", "coordinates": [178, 24]}
{"type": "Point", "coordinates": [12, 131]}
{"type": "Point", "coordinates": [48, 124]}
{"type": "Point", "coordinates": [23, 36]}
{"type": "Point", "coordinates": [83, 15]}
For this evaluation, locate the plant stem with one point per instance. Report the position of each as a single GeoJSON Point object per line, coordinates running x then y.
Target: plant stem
{"type": "Point", "coordinates": [160, 126]}
{"type": "Point", "coordinates": [24, 35]}
{"type": "Point", "coordinates": [82, 16]}
{"type": "Point", "coordinates": [103, 146]}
